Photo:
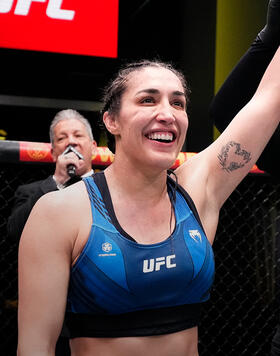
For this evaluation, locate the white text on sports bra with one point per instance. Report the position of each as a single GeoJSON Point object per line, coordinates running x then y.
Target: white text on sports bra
{"type": "Point", "coordinates": [155, 264]}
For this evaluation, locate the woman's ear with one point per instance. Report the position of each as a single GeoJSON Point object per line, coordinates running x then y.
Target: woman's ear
{"type": "Point", "coordinates": [111, 123]}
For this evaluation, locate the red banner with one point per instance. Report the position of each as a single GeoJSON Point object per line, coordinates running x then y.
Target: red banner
{"type": "Point", "coordinates": [41, 152]}
{"type": "Point", "coordinates": [86, 27]}
{"type": "Point", "coordinates": [24, 151]}
{"type": "Point", "coordinates": [35, 151]}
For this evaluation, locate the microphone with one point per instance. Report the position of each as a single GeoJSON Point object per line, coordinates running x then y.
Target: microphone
{"type": "Point", "coordinates": [71, 168]}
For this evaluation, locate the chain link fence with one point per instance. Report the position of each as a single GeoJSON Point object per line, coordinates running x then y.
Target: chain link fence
{"type": "Point", "coordinates": [242, 314]}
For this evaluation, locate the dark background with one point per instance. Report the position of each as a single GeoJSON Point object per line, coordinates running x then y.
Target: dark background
{"type": "Point", "coordinates": [181, 32]}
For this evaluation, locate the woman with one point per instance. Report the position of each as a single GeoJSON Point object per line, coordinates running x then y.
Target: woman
{"type": "Point", "coordinates": [127, 256]}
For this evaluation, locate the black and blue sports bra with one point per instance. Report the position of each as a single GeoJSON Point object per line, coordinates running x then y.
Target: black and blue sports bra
{"type": "Point", "coordinates": [119, 287]}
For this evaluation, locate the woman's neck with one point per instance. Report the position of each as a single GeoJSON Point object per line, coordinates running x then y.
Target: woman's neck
{"type": "Point", "coordinates": [139, 185]}
{"type": "Point", "coordinates": [142, 204]}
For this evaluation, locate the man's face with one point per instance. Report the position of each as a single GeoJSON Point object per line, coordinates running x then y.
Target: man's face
{"type": "Point", "coordinates": [73, 132]}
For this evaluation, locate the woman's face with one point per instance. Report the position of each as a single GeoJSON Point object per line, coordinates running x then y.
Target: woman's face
{"type": "Point", "coordinates": [152, 121]}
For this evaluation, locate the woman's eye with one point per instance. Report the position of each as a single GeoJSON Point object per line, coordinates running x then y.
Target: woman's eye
{"type": "Point", "coordinates": [179, 103]}
{"type": "Point", "coordinates": [147, 100]}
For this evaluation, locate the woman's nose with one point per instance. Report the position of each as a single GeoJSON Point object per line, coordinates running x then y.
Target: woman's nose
{"type": "Point", "coordinates": [165, 114]}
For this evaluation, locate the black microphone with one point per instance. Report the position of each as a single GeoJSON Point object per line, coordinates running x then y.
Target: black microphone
{"type": "Point", "coordinates": [71, 168]}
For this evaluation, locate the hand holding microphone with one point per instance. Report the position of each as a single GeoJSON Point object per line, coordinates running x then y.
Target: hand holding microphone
{"type": "Point", "coordinates": [71, 168]}
{"type": "Point", "coordinates": [65, 171]}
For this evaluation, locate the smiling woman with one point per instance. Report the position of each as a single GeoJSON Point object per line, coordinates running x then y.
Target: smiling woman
{"type": "Point", "coordinates": [133, 264]}
{"type": "Point", "coordinates": [113, 92]}
{"type": "Point", "coordinates": [152, 106]}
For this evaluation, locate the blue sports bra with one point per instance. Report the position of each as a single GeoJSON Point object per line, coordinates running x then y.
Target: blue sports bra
{"type": "Point", "coordinates": [119, 287]}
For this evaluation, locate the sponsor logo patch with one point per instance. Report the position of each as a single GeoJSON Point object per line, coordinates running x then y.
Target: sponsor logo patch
{"type": "Point", "coordinates": [195, 235]}
{"type": "Point", "coordinates": [107, 248]}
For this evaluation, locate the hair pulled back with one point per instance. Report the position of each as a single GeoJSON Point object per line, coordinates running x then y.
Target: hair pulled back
{"type": "Point", "coordinates": [113, 92]}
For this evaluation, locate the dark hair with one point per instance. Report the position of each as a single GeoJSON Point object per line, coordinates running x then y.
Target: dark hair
{"type": "Point", "coordinates": [114, 90]}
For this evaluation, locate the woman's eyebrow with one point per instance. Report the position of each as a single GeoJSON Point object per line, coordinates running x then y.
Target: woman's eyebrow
{"type": "Point", "coordinates": [148, 91]}
{"type": "Point", "coordinates": [178, 93]}
{"type": "Point", "coordinates": [156, 91]}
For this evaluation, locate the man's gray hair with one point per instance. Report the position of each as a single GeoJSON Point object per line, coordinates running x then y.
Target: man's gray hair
{"type": "Point", "coordinates": [69, 114]}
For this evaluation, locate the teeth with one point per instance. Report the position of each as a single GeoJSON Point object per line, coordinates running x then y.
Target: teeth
{"type": "Point", "coordinates": [161, 136]}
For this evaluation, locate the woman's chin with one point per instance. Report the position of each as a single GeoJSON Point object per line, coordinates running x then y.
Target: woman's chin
{"type": "Point", "coordinates": [162, 161]}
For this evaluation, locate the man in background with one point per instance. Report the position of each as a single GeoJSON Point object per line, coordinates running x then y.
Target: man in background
{"type": "Point", "coordinates": [72, 148]}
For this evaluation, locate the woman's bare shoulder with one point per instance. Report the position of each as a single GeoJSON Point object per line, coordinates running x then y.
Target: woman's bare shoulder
{"type": "Point", "coordinates": [61, 204]}
{"type": "Point", "coordinates": [62, 197]}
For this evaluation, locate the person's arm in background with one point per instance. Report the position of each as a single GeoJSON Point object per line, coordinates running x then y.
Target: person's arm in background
{"type": "Point", "coordinates": [25, 198]}
{"type": "Point", "coordinates": [243, 81]}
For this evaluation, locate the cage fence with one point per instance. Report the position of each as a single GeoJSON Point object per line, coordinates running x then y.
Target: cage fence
{"type": "Point", "coordinates": [242, 314]}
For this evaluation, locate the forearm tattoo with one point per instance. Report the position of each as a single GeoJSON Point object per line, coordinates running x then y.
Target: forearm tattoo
{"type": "Point", "coordinates": [232, 157]}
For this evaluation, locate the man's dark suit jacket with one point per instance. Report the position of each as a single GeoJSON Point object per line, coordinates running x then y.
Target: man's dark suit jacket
{"type": "Point", "coordinates": [25, 198]}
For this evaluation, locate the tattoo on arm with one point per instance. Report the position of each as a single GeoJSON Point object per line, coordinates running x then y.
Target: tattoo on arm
{"type": "Point", "coordinates": [232, 157]}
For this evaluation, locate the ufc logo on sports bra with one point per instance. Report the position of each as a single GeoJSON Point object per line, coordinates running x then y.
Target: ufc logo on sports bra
{"type": "Point", "coordinates": [155, 264]}
{"type": "Point", "coordinates": [53, 10]}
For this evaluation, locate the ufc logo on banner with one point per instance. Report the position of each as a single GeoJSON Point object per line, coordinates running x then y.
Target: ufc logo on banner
{"type": "Point", "coordinates": [85, 27]}
{"type": "Point", "coordinates": [23, 6]}
{"type": "Point", "coordinates": [156, 264]}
